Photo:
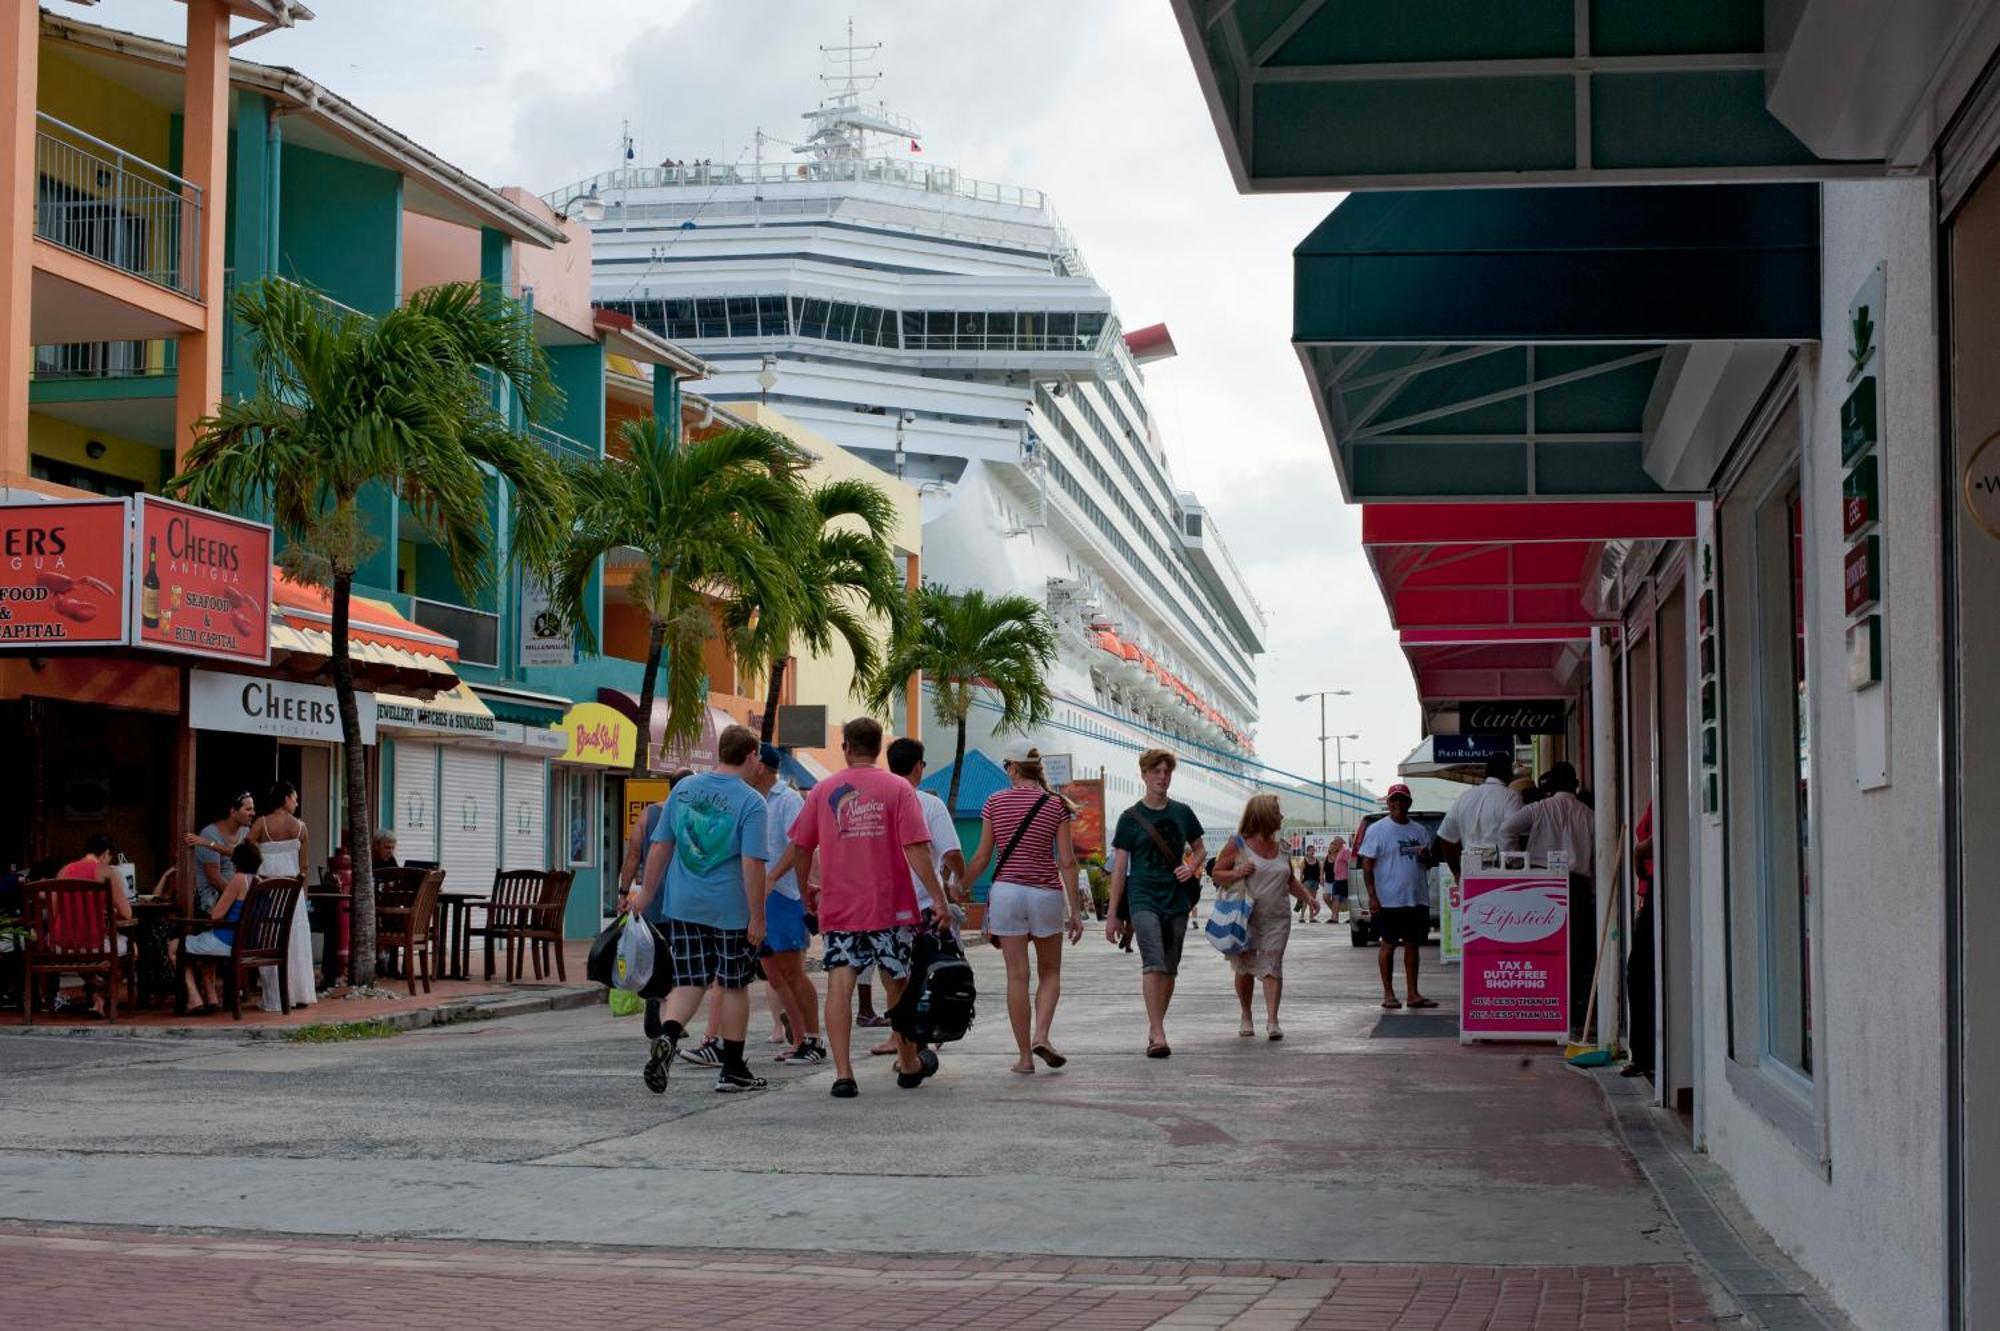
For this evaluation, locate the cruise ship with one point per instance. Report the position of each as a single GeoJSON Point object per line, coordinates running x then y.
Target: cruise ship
{"type": "Point", "coordinates": [948, 330]}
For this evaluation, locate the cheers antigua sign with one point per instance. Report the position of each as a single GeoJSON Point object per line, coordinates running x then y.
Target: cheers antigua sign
{"type": "Point", "coordinates": [63, 574]}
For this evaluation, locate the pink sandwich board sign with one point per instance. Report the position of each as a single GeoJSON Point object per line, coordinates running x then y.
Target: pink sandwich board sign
{"type": "Point", "coordinates": [1514, 933]}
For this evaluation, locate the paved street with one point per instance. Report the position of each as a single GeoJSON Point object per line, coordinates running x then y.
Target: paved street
{"type": "Point", "coordinates": [1367, 1171]}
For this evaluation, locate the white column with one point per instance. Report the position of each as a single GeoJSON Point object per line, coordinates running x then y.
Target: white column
{"type": "Point", "coordinates": [1604, 785]}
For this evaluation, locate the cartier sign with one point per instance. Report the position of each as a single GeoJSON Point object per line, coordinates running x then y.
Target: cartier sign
{"type": "Point", "coordinates": [1512, 716]}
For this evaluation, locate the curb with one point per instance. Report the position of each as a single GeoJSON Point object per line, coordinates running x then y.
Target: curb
{"type": "Point", "coordinates": [486, 1007]}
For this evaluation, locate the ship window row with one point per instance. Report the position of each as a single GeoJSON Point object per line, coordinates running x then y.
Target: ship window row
{"type": "Point", "coordinates": [1073, 487]}
{"type": "Point", "coordinates": [1112, 445]}
{"type": "Point", "coordinates": [698, 318]}
{"type": "Point", "coordinates": [1172, 562]}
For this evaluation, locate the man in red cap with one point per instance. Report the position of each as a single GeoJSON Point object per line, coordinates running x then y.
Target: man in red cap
{"type": "Point", "coordinates": [1395, 855]}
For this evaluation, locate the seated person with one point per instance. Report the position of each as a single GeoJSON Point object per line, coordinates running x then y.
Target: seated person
{"type": "Point", "coordinates": [95, 867]}
{"type": "Point", "coordinates": [382, 849]}
{"type": "Point", "coordinates": [220, 939]}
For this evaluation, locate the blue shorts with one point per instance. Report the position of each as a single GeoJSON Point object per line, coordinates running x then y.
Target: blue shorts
{"type": "Point", "coordinates": [784, 925]}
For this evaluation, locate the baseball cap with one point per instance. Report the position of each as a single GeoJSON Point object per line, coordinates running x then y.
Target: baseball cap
{"type": "Point", "coordinates": [1398, 789]}
{"type": "Point", "coordinates": [770, 756]}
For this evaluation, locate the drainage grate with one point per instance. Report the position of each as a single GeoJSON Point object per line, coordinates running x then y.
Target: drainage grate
{"type": "Point", "coordinates": [1415, 1026]}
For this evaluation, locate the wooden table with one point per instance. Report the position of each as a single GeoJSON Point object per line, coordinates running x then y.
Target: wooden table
{"type": "Point", "coordinates": [451, 933]}
{"type": "Point", "coordinates": [151, 929]}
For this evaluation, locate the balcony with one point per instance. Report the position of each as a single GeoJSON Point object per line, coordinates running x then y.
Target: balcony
{"type": "Point", "coordinates": [97, 200]}
{"type": "Point", "coordinates": [561, 447]}
{"type": "Point", "coordinates": [477, 631]}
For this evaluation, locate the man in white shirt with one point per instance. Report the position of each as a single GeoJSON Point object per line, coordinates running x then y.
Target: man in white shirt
{"type": "Point", "coordinates": [1563, 823]}
{"type": "Point", "coordinates": [1476, 816]}
{"type": "Point", "coordinates": [906, 759]}
{"type": "Point", "coordinates": [1395, 852]}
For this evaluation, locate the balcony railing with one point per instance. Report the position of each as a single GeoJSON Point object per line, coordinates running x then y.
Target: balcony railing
{"type": "Point", "coordinates": [130, 360]}
{"type": "Point", "coordinates": [561, 446]}
{"type": "Point", "coordinates": [102, 202]}
{"type": "Point", "coordinates": [477, 631]}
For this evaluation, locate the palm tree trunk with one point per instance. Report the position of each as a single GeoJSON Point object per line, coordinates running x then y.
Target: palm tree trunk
{"type": "Point", "coordinates": [771, 692]}
{"type": "Point", "coordinates": [957, 767]}
{"type": "Point", "coordinates": [361, 955]}
{"type": "Point", "coordinates": [655, 640]}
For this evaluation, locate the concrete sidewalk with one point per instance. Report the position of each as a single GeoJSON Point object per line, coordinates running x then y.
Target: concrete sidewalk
{"type": "Point", "coordinates": [1363, 1137]}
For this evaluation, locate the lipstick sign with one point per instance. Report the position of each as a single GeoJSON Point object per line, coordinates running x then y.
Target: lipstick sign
{"type": "Point", "coordinates": [202, 583]}
{"type": "Point", "coordinates": [1514, 936]}
{"type": "Point", "coordinates": [62, 574]}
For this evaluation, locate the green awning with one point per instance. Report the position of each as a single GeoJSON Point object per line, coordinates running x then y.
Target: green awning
{"type": "Point", "coordinates": [1508, 342]}
{"type": "Point", "coordinates": [1362, 94]}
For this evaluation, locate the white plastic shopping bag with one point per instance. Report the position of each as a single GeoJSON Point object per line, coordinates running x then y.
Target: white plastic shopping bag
{"type": "Point", "coordinates": [636, 956]}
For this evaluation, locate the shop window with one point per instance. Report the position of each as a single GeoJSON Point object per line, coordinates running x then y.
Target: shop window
{"type": "Point", "coordinates": [1767, 758]}
{"type": "Point", "coordinates": [580, 820]}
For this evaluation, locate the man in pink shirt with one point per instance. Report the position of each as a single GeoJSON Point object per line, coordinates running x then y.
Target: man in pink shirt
{"type": "Point", "coordinates": [867, 828]}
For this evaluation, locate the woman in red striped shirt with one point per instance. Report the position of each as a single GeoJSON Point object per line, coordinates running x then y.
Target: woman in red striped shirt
{"type": "Point", "coordinates": [1033, 897]}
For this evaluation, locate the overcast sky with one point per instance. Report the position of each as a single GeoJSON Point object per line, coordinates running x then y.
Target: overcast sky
{"type": "Point", "coordinates": [1096, 103]}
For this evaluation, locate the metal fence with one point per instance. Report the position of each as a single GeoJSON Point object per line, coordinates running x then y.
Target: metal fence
{"type": "Point", "coordinates": [100, 201]}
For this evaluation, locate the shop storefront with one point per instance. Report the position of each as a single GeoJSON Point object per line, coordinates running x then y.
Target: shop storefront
{"type": "Point", "coordinates": [592, 777]}
{"type": "Point", "coordinates": [469, 792]}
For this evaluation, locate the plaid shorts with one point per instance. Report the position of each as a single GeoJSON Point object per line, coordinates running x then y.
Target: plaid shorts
{"type": "Point", "coordinates": [703, 955]}
{"type": "Point", "coordinates": [886, 949]}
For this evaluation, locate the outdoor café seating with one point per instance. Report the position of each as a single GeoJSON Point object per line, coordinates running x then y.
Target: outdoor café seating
{"type": "Point", "coordinates": [72, 929]}
{"type": "Point", "coordinates": [263, 935]}
{"type": "Point", "coordinates": [525, 913]}
{"type": "Point", "coordinates": [406, 910]}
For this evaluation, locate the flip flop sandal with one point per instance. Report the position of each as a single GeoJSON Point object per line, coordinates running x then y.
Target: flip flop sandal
{"type": "Point", "coordinates": [1422, 1002]}
{"type": "Point", "coordinates": [845, 1089]}
{"type": "Point", "coordinates": [1391, 1004]}
{"type": "Point", "coordinates": [1047, 1053]}
{"type": "Point", "coordinates": [886, 1047]}
{"type": "Point", "coordinates": [927, 1061]}
{"type": "Point", "coordinates": [1160, 1050]}
{"type": "Point", "coordinates": [1020, 1071]}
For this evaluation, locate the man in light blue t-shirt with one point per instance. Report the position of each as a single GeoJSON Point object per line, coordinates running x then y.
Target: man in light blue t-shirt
{"type": "Point", "coordinates": [709, 846]}
{"type": "Point", "coordinates": [1396, 856]}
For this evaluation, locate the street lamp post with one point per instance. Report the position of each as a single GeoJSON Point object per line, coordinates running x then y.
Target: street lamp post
{"type": "Point", "coordinates": [1323, 695]}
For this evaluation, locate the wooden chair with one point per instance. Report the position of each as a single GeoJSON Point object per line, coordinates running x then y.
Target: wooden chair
{"type": "Point", "coordinates": [263, 938]}
{"type": "Point", "coordinates": [510, 913]}
{"type": "Point", "coordinates": [544, 931]}
{"type": "Point", "coordinates": [405, 923]}
{"type": "Point", "coordinates": [72, 930]}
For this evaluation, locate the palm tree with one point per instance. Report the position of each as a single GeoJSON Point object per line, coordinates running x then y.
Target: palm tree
{"type": "Point", "coordinates": [712, 519]}
{"type": "Point", "coordinates": [345, 402]}
{"type": "Point", "coordinates": [965, 641]}
{"type": "Point", "coordinates": [847, 575]}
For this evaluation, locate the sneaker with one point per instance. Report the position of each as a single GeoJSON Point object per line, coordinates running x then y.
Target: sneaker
{"type": "Point", "coordinates": [658, 1061]}
{"type": "Point", "coordinates": [741, 1079]}
{"type": "Point", "coordinates": [809, 1051]}
{"type": "Point", "coordinates": [707, 1054]}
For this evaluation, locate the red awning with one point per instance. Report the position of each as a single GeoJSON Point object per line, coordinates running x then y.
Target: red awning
{"type": "Point", "coordinates": [368, 620]}
{"type": "Point", "coordinates": [1494, 600]}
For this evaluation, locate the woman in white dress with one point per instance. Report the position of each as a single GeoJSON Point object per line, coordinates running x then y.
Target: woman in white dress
{"type": "Point", "coordinates": [286, 844]}
{"type": "Point", "coordinates": [1254, 860]}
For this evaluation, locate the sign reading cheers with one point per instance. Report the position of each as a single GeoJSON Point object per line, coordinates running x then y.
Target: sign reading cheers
{"type": "Point", "coordinates": [281, 708]}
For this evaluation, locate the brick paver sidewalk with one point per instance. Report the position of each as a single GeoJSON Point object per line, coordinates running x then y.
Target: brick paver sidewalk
{"type": "Point", "coordinates": [102, 1279]}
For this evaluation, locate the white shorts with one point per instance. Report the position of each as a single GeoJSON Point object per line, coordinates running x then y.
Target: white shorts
{"type": "Point", "coordinates": [207, 945]}
{"type": "Point", "coordinates": [1013, 910]}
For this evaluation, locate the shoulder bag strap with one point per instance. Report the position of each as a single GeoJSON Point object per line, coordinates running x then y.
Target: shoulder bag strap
{"type": "Point", "coordinates": [1019, 832]}
{"type": "Point", "coordinates": [1159, 842]}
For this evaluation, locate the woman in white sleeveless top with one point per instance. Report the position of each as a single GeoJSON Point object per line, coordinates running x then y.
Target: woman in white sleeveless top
{"type": "Point", "coordinates": [1254, 861]}
{"type": "Point", "coordinates": [287, 844]}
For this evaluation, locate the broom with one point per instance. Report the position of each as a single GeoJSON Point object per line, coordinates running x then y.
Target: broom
{"type": "Point", "coordinates": [1598, 1055]}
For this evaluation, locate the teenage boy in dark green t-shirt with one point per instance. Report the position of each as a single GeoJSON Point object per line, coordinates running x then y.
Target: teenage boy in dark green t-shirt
{"type": "Point", "coordinates": [1156, 855]}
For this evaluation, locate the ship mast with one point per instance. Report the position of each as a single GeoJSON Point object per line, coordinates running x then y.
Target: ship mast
{"type": "Point", "coordinates": [842, 123]}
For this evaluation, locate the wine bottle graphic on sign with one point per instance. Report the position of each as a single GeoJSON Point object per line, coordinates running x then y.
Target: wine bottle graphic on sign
{"type": "Point", "coordinates": [149, 589]}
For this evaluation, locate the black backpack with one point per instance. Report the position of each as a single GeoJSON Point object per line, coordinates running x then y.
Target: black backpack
{"type": "Point", "coordinates": [937, 1004]}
